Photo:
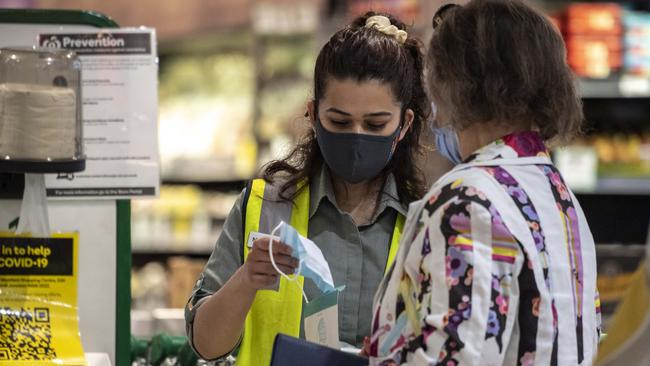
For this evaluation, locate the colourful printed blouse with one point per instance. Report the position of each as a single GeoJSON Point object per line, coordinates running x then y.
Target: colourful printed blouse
{"type": "Point", "coordinates": [496, 266]}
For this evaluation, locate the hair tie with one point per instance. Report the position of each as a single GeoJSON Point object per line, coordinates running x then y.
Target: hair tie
{"type": "Point", "coordinates": [382, 24]}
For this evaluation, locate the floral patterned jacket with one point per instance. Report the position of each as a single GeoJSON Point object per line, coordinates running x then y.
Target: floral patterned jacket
{"type": "Point", "coordinates": [496, 266]}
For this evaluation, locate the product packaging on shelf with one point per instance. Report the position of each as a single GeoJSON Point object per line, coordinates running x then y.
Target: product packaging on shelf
{"type": "Point", "coordinates": [593, 37]}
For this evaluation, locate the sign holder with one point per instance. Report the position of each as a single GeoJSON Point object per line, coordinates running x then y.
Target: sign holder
{"type": "Point", "coordinates": [99, 223]}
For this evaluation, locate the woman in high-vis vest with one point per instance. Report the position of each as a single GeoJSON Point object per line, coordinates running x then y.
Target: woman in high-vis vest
{"type": "Point", "coordinates": [345, 186]}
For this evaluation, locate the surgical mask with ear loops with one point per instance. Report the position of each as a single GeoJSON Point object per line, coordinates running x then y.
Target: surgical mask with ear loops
{"type": "Point", "coordinates": [312, 263]}
{"type": "Point", "coordinates": [446, 140]}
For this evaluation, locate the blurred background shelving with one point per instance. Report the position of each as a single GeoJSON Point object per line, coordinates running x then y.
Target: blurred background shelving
{"type": "Point", "coordinates": [271, 65]}
{"type": "Point", "coordinates": [608, 167]}
{"type": "Point", "coordinates": [262, 81]}
{"type": "Point", "coordinates": [234, 79]}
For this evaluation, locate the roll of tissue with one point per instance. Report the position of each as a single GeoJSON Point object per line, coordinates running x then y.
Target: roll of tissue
{"type": "Point", "coordinates": [37, 122]}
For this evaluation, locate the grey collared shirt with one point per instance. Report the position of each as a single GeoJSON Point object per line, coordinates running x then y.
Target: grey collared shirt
{"type": "Point", "coordinates": [356, 255]}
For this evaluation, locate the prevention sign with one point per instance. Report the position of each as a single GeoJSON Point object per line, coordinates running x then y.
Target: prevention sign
{"type": "Point", "coordinates": [119, 72]}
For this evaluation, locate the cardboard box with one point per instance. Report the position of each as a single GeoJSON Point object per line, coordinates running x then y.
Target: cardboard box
{"type": "Point", "coordinates": [182, 276]}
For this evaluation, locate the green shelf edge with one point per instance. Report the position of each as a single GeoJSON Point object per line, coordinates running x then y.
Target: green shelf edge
{"type": "Point", "coordinates": [123, 281]}
{"type": "Point", "coordinates": [57, 16]}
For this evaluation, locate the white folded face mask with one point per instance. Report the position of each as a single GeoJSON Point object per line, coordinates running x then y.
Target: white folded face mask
{"type": "Point", "coordinates": [312, 263]}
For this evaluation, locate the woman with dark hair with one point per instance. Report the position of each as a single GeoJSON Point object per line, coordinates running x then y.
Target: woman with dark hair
{"type": "Point", "coordinates": [497, 265]}
{"type": "Point", "coordinates": [345, 186]}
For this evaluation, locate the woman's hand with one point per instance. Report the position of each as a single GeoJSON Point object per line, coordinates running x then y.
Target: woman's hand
{"type": "Point", "coordinates": [219, 322]}
{"type": "Point", "coordinates": [258, 272]}
{"type": "Point", "coordinates": [365, 351]}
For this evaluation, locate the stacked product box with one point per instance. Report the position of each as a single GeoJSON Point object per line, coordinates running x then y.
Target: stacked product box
{"type": "Point", "coordinates": [593, 34]}
{"type": "Point", "coordinates": [636, 60]}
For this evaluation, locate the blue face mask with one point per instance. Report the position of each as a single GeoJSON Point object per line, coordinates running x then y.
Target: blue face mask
{"type": "Point", "coordinates": [312, 262]}
{"type": "Point", "coordinates": [446, 141]}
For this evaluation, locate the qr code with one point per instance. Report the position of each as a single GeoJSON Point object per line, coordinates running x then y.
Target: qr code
{"type": "Point", "coordinates": [25, 334]}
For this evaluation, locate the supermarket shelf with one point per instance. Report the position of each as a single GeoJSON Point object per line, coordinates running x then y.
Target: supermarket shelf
{"type": "Point", "coordinates": [172, 248]}
{"type": "Point", "coordinates": [216, 185]}
{"type": "Point", "coordinates": [169, 252]}
{"type": "Point", "coordinates": [140, 257]}
{"type": "Point", "coordinates": [201, 170]}
{"type": "Point", "coordinates": [615, 87]}
{"type": "Point", "coordinates": [281, 79]}
{"type": "Point", "coordinates": [145, 323]}
{"type": "Point", "coordinates": [621, 251]}
{"type": "Point", "coordinates": [624, 186]}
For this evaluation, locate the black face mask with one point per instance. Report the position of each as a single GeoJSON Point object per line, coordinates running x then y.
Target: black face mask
{"type": "Point", "coordinates": [355, 157]}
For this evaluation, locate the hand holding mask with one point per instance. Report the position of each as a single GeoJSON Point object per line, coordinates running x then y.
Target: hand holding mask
{"type": "Point", "coordinates": [312, 263]}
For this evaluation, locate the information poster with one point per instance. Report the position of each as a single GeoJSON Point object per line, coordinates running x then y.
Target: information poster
{"type": "Point", "coordinates": [38, 301]}
{"type": "Point", "coordinates": [120, 114]}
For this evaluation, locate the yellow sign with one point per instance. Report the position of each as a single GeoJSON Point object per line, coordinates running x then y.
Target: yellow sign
{"type": "Point", "coordinates": [38, 301]}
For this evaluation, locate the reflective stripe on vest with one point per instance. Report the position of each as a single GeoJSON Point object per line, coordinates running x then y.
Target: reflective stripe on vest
{"type": "Point", "coordinates": [279, 311]}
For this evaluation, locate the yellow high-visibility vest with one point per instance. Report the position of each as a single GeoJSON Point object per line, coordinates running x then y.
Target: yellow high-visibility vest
{"type": "Point", "coordinates": [628, 335]}
{"type": "Point", "coordinates": [279, 311]}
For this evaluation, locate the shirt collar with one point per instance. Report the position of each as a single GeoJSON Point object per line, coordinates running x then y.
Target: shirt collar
{"type": "Point", "coordinates": [320, 186]}
{"type": "Point", "coordinates": [515, 145]}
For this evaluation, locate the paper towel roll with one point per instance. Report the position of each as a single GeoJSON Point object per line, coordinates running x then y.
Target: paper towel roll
{"type": "Point", "coordinates": [37, 122]}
